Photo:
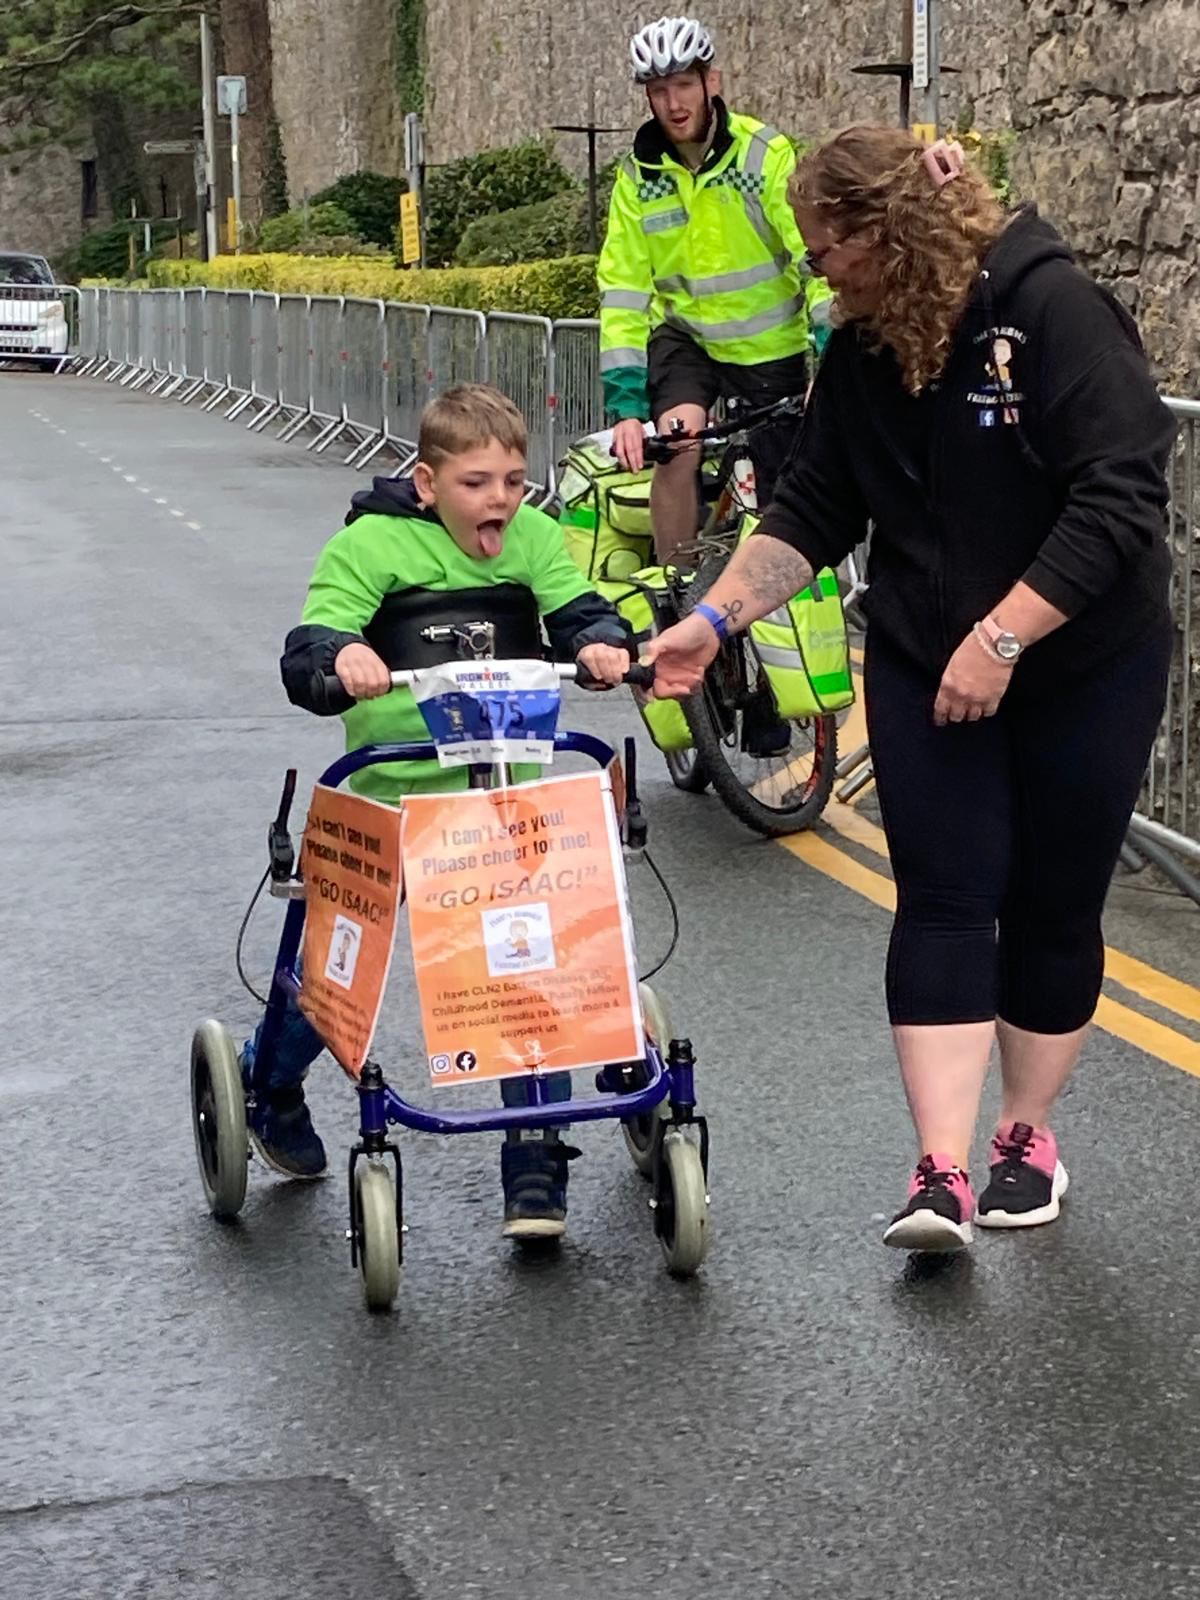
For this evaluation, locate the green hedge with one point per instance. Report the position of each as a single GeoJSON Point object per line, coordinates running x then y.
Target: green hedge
{"type": "Point", "coordinates": [562, 288]}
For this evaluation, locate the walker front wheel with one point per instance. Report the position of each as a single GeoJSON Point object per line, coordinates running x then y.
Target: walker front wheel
{"type": "Point", "coordinates": [378, 1234]}
{"type": "Point", "coordinates": [219, 1120]}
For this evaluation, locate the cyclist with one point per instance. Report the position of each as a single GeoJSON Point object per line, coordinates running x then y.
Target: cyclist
{"type": "Point", "coordinates": [703, 290]}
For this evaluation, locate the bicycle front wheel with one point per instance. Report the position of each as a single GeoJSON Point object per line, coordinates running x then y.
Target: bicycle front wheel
{"type": "Point", "coordinates": [687, 771]}
{"type": "Point", "coordinates": [774, 775]}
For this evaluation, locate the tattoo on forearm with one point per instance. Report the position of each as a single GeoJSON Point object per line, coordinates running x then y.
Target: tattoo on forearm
{"type": "Point", "coordinates": [772, 571]}
{"type": "Point", "coordinates": [733, 610]}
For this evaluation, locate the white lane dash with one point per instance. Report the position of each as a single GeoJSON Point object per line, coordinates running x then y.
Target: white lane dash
{"type": "Point", "coordinates": [160, 500]}
{"type": "Point", "coordinates": [61, 430]}
{"type": "Point", "coordinates": [130, 477]}
{"type": "Point", "coordinates": [105, 460]}
{"type": "Point", "coordinates": [194, 526]}
{"type": "Point", "coordinates": [142, 489]}
{"type": "Point", "coordinates": [175, 512]}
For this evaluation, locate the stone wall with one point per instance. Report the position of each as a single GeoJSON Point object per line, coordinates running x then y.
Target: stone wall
{"type": "Point", "coordinates": [40, 200]}
{"type": "Point", "coordinates": [335, 88]}
{"type": "Point", "coordinates": [534, 64]}
{"type": "Point", "coordinates": [1108, 111]}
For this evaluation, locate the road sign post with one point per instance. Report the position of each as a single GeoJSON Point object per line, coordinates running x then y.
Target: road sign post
{"type": "Point", "coordinates": [209, 243]}
{"type": "Point", "coordinates": [231, 103]}
{"type": "Point", "coordinates": [926, 65]}
{"type": "Point", "coordinates": [412, 236]}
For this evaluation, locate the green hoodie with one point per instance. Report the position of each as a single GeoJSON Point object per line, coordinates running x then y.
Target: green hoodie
{"type": "Point", "coordinates": [376, 555]}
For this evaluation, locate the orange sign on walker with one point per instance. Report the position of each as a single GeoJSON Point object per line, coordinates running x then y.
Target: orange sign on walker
{"type": "Point", "coordinates": [520, 931]}
{"type": "Point", "coordinates": [352, 877]}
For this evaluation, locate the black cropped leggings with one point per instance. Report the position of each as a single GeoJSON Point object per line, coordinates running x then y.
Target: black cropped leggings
{"type": "Point", "coordinates": [1004, 834]}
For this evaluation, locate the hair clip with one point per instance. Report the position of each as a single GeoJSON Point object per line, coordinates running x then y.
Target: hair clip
{"type": "Point", "coordinates": [944, 162]}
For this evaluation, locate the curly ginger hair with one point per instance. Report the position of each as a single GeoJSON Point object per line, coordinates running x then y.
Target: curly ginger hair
{"type": "Point", "coordinates": [872, 183]}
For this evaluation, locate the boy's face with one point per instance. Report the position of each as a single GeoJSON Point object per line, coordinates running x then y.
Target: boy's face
{"type": "Point", "coordinates": [476, 494]}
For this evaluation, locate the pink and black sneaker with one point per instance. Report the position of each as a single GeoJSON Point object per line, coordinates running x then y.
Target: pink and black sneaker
{"type": "Point", "coordinates": [1027, 1179]}
{"type": "Point", "coordinates": [937, 1215]}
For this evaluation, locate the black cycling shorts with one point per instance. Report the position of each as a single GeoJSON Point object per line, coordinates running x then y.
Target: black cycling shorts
{"type": "Point", "coordinates": [681, 373]}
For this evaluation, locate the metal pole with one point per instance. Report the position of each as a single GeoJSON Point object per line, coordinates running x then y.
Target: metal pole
{"type": "Point", "coordinates": [926, 22]}
{"type": "Point", "coordinates": [210, 162]}
{"type": "Point", "coordinates": [593, 230]}
{"type": "Point", "coordinates": [237, 182]}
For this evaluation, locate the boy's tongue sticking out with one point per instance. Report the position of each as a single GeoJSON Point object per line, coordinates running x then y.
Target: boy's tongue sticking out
{"type": "Point", "coordinates": [491, 536]}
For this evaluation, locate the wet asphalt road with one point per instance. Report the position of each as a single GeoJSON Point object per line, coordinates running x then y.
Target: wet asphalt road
{"type": "Point", "coordinates": [195, 1411]}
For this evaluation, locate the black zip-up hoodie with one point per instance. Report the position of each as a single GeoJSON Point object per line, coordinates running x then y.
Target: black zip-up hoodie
{"type": "Point", "coordinates": [1040, 455]}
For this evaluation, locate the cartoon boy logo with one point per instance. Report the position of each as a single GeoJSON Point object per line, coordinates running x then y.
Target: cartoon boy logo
{"type": "Point", "coordinates": [519, 940]}
{"type": "Point", "coordinates": [342, 957]}
{"type": "Point", "coordinates": [1002, 355]}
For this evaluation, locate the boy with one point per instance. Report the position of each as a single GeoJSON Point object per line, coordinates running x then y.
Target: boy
{"type": "Point", "coordinates": [458, 524]}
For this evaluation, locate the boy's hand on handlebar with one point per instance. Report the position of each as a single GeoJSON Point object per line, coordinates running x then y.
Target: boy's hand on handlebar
{"type": "Point", "coordinates": [680, 656]}
{"type": "Point", "coordinates": [604, 662]}
{"type": "Point", "coordinates": [627, 444]}
{"type": "Point", "coordinates": [361, 672]}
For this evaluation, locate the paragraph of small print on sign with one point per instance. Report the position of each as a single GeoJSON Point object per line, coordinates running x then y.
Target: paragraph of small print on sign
{"type": "Point", "coordinates": [352, 879]}
{"type": "Point", "coordinates": [520, 929]}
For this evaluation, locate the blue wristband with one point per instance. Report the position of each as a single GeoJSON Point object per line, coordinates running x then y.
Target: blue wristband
{"type": "Point", "coordinates": [720, 623]}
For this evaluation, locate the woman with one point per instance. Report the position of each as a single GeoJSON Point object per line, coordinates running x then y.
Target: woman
{"type": "Point", "coordinates": [989, 408]}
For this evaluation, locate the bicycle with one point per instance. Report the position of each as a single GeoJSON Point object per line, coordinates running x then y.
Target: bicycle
{"type": "Point", "coordinates": [776, 776]}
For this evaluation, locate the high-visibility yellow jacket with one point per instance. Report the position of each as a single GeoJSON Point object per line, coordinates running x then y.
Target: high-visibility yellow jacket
{"type": "Point", "coordinates": [715, 253]}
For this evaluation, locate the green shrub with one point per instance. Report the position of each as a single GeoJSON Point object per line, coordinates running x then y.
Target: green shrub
{"type": "Point", "coordinates": [565, 288]}
{"type": "Point", "coordinates": [540, 232]}
{"type": "Point", "coordinates": [105, 252]}
{"type": "Point", "coordinates": [291, 229]}
{"type": "Point", "coordinates": [497, 180]}
{"type": "Point", "coordinates": [370, 199]}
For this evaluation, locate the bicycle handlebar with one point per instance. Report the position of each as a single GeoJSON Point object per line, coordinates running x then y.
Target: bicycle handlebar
{"type": "Point", "coordinates": [330, 698]}
{"type": "Point", "coordinates": [660, 447]}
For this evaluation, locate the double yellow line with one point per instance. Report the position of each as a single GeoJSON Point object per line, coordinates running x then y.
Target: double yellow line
{"type": "Point", "coordinates": [1147, 983]}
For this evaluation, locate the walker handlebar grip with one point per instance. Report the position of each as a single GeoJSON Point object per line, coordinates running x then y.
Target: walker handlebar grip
{"type": "Point", "coordinates": [329, 698]}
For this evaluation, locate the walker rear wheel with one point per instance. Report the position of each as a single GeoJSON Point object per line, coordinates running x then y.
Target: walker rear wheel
{"type": "Point", "coordinates": [640, 1133]}
{"type": "Point", "coordinates": [681, 1205]}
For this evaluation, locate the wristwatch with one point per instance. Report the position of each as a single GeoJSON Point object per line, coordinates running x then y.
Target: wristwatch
{"type": "Point", "coordinates": [717, 619]}
{"type": "Point", "coordinates": [1006, 645]}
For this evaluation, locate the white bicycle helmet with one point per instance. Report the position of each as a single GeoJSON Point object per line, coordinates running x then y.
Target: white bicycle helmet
{"type": "Point", "coordinates": [672, 44]}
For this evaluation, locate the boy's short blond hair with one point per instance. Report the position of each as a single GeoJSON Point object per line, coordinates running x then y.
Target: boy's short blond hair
{"type": "Point", "coordinates": [467, 417]}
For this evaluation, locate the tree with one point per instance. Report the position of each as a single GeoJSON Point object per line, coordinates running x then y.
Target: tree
{"type": "Point", "coordinates": [76, 70]}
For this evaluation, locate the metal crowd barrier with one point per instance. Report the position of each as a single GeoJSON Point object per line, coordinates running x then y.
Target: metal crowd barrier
{"type": "Point", "coordinates": [362, 370]}
{"type": "Point", "coordinates": [1166, 828]}
{"type": "Point", "coordinates": [519, 357]}
{"type": "Point", "coordinates": [578, 394]}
